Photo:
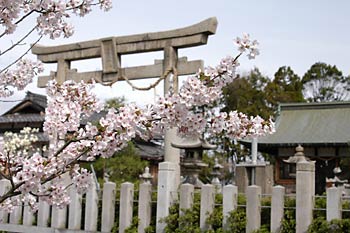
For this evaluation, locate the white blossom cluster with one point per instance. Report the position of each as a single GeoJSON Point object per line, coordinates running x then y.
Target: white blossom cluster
{"type": "Point", "coordinates": [19, 77]}
{"type": "Point", "coordinates": [52, 14]}
{"type": "Point", "coordinates": [245, 44]}
{"type": "Point", "coordinates": [66, 105]}
{"type": "Point", "coordinates": [18, 144]}
{"type": "Point", "coordinates": [51, 19]}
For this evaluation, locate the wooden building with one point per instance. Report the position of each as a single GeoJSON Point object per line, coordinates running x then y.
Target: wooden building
{"type": "Point", "coordinates": [323, 129]}
{"type": "Point", "coordinates": [30, 112]}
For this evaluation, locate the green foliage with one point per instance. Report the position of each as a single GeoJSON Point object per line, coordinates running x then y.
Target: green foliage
{"type": "Point", "coordinates": [124, 166]}
{"type": "Point", "coordinates": [237, 221]}
{"type": "Point", "coordinates": [246, 94]}
{"type": "Point", "coordinates": [320, 203]}
{"type": "Point", "coordinates": [323, 82]}
{"type": "Point", "coordinates": [321, 225]}
{"type": "Point", "coordinates": [116, 102]}
{"type": "Point", "coordinates": [346, 206]}
{"type": "Point", "coordinates": [265, 213]}
{"type": "Point", "coordinates": [187, 222]}
{"type": "Point", "coordinates": [133, 227]}
{"type": "Point", "coordinates": [288, 223]}
{"type": "Point", "coordinates": [285, 87]}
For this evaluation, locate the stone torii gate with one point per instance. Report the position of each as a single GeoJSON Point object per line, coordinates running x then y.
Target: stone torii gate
{"type": "Point", "coordinates": [111, 49]}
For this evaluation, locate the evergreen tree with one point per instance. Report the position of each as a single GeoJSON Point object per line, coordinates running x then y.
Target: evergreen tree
{"type": "Point", "coordinates": [286, 87]}
{"type": "Point", "coordinates": [323, 82]}
{"type": "Point", "coordinates": [246, 94]}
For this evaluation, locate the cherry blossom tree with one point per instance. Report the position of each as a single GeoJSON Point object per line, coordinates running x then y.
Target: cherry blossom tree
{"type": "Point", "coordinates": [33, 175]}
{"type": "Point", "coordinates": [51, 20]}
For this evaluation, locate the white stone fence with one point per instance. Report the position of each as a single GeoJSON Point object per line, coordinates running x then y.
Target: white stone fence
{"type": "Point", "coordinates": [69, 219]}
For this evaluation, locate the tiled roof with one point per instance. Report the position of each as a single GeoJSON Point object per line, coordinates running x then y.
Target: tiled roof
{"type": "Point", "coordinates": [149, 150]}
{"type": "Point", "coordinates": [311, 124]}
{"type": "Point", "coordinates": [19, 118]}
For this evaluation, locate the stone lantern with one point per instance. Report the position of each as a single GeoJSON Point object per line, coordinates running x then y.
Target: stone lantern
{"type": "Point", "coordinates": [146, 177]}
{"type": "Point", "coordinates": [192, 162]}
{"type": "Point", "coordinates": [298, 156]}
{"type": "Point", "coordinates": [216, 174]}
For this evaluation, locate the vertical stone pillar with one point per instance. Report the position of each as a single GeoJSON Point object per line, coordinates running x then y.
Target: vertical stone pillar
{"type": "Point", "coordinates": [207, 205]}
{"type": "Point", "coordinates": [75, 209]}
{"type": "Point", "coordinates": [304, 195]}
{"type": "Point", "coordinates": [186, 197]}
{"type": "Point", "coordinates": [62, 68]}
{"type": "Point", "coordinates": [91, 208]}
{"type": "Point", "coordinates": [253, 209]}
{"type": "Point", "coordinates": [59, 215]}
{"type": "Point", "coordinates": [334, 205]}
{"type": "Point", "coordinates": [43, 213]}
{"type": "Point", "coordinates": [126, 204]}
{"type": "Point", "coordinates": [145, 208]}
{"type": "Point", "coordinates": [28, 215]}
{"type": "Point", "coordinates": [108, 206]}
{"type": "Point", "coordinates": [171, 154]}
{"type": "Point", "coordinates": [5, 186]}
{"type": "Point", "coordinates": [229, 202]}
{"type": "Point", "coordinates": [16, 214]}
{"type": "Point", "coordinates": [166, 192]}
{"type": "Point", "coordinates": [277, 208]}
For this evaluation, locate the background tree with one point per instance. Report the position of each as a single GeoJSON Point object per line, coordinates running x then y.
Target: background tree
{"type": "Point", "coordinates": [125, 165]}
{"type": "Point", "coordinates": [116, 102]}
{"type": "Point", "coordinates": [323, 82]}
{"type": "Point", "coordinates": [246, 94]}
{"type": "Point", "coordinates": [285, 87]}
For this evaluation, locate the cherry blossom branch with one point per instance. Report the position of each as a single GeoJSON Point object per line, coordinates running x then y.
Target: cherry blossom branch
{"type": "Point", "coordinates": [21, 56]}
{"type": "Point", "coordinates": [19, 41]}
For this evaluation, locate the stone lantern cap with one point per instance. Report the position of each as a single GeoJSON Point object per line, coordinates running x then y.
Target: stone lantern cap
{"type": "Point", "coordinates": [299, 156]}
{"type": "Point", "coordinates": [193, 143]}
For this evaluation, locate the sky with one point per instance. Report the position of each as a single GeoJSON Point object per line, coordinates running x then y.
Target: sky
{"type": "Point", "coordinates": [292, 33]}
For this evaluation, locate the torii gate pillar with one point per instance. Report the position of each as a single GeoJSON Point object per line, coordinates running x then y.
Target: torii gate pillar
{"type": "Point", "coordinates": [171, 154]}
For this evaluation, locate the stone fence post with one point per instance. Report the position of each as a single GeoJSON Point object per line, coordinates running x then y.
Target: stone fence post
{"type": "Point", "coordinates": [75, 209]}
{"type": "Point", "coordinates": [253, 208]}
{"type": "Point", "coordinates": [277, 208]}
{"type": "Point", "coordinates": [229, 202]}
{"type": "Point", "coordinates": [166, 192]}
{"type": "Point", "coordinates": [108, 206]}
{"type": "Point", "coordinates": [91, 208]}
{"type": "Point", "coordinates": [186, 197]}
{"type": "Point", "coordinates": [145, 208]}
{"type": "Point", "coordinates": [207, 205]}
{"type": "Point", "coordinates": [305, 191]}
{"type": "Point", "coordinates": [334, 205]}
{"type": "Point", "coordinates": [5, 186]}
{"type": "Point", "coordinates": [126, 204]}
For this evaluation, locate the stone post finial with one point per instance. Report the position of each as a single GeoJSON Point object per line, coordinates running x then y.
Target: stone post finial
{"type": "Point", "coordinates": [146, 177]}
{"type": "Point", "coordinates": [299, 155]}
{"type": "Point", "coordinates": [216, 174]}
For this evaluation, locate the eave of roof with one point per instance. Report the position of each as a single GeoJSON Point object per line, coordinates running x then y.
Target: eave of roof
{"type": "Point", "coordinates": [22, 118]}
{"type": "Point", "coordinates": [312, 124]}
{"type": "Point", "coordinates": [37, 101]}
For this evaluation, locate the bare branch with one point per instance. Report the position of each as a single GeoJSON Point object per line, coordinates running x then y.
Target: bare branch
{"type": "Point", "coordinates": [19, 41]}
{"type": "Point", "coordinates": [20, 57]}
